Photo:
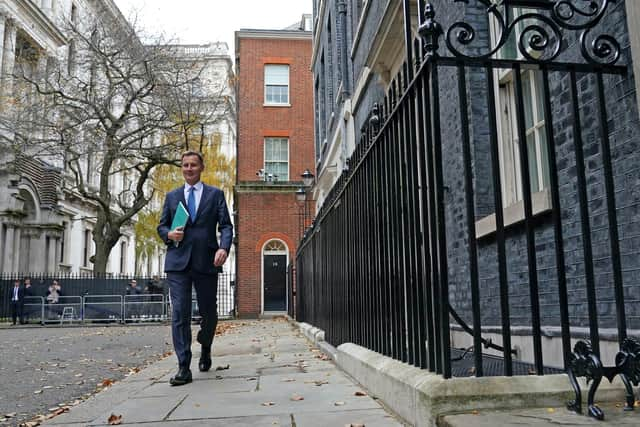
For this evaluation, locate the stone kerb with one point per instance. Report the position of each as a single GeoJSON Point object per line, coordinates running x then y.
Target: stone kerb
{"type": "Point", "coordinates": [421, 397]}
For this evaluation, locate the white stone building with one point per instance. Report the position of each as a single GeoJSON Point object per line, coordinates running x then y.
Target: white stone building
{"type": "Point", "coordinates": [45, 226]}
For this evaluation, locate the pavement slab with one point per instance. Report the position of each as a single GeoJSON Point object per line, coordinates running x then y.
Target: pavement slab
{"type": "Point", "coordinates": [270, 375]}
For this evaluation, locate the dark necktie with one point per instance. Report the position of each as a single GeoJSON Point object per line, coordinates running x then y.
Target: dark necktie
{"type": "Point", "coordinates": [191, 204]}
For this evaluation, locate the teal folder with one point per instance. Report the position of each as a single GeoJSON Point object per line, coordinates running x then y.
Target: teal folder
{"type": "Point", "coordinates": [180, 218]}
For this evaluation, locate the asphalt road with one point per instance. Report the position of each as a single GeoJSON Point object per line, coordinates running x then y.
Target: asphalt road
{"type": "Point", "coordinates": [44, 368]}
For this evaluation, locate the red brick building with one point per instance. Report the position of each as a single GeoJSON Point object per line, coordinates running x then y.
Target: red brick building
{"type": "Point", "coordinates": [275, 146]}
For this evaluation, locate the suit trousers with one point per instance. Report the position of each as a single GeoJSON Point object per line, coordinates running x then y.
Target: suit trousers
{"type": "Point", "coordinates": [17, 311]}
{"type": "Point", "coordinates": [180, 285]}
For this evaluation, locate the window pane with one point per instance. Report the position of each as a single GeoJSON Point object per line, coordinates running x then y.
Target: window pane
{"type": "Point", "coordinates": [539, 94]}
{"type": "Point", "coordinates": [533, 162]}
{"type": "Point", "coordinates": [276, 74]}
{"type": "Point", "coordinates": [528, 101]}
{"type": "Point", "coordinates": [544, 157]}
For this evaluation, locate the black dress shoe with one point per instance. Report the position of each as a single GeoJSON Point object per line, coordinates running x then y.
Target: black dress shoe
{"type": "Point", "coordinates": [182, 377]}
{"type": "Point", "coordinates": [205, 359]}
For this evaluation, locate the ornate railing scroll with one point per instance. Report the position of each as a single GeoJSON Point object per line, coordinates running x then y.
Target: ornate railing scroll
{"type": "Point", "coordinates": [540, 30]}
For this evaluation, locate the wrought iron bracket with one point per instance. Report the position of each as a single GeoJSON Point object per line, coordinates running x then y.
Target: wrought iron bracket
{"type": "Point", "coordinates": [583, 362]}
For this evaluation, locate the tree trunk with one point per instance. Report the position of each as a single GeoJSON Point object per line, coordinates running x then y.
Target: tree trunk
{"type": "Point", "coordinates": [101, 258]}
{"type": "Point", "coordinates": [104, 244]}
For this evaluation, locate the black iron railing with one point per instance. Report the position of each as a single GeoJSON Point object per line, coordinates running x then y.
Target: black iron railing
{"type": "Point", "coordinates": [394, 254]}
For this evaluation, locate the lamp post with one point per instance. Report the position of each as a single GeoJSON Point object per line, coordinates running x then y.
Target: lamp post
{"type": "Point", "coordinates": [301, 196]}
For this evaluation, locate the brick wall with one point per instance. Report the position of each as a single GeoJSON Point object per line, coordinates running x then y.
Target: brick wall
{"type": "Point", "coordinates": [255, 121]}
{"type": "Point", "coordinates": [269, 210]}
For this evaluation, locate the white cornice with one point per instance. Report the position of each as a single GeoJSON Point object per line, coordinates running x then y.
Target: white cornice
{"type": "Point", "coordinates": [35, 23]}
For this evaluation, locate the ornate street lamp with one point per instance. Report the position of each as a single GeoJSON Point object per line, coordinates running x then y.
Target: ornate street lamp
{"type": "Point", "coordinates": [307, 178]}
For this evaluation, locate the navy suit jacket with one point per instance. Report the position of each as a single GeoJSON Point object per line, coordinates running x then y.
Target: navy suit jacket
{"type": "Point", "coordinates": [200, 241]}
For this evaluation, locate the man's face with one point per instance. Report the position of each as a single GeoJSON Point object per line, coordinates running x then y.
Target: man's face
{"type": "Point", "coordinates": [191, 169]}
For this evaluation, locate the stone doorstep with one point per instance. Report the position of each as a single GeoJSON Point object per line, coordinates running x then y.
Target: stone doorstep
{"type": "Point", "coordinates": [421, 397]}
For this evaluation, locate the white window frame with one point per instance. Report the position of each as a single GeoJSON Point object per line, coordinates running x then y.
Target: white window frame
{"type": "Point", "coordinates": [266, 170]}
{"type": "Point", "coordinates": [267, 84]}
{"type": "Point", "coordinates": [508, 149]}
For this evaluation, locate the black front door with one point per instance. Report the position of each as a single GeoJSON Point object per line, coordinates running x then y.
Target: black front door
{"type": "Point", "coordinates": [275, 282]}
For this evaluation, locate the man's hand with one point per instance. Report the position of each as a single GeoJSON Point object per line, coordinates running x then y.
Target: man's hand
{"type": "Point", "coordinates": [221, 257]}
{"type": "Point", "coordinates": [176, 235]}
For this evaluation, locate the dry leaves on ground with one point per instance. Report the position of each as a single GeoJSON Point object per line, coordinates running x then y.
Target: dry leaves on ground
{"type": "Point", "coordinates": [360, 393]}
{"type": "Point", "coordinates": [296, 398]}
{"type": "Point", "coordinates": [340, 403]}
{"type": "Point", "coordinates": [354, 425]}
{"type": "Point", "coordinates": [268, 403]}
{"type": "Point", "coordinates": [222, 368]}
{"type": "Point", "coordinates": [106, 382]}
{"type": "Point", "coordinates": [114, 420]}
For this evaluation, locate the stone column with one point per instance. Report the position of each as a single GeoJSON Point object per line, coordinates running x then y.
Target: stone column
{"type": "Point", "coordinates": [9, 249]}
{"type": "Point", "coordinates": [51, 262]}
{"type": "Point", "coordinates": [15, 244]}
{"type": "Point", "coordinates": [8, 59]}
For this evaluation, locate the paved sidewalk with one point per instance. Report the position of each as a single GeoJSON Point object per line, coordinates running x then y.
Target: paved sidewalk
{"type": "Point", "coordinates": [268, 375]}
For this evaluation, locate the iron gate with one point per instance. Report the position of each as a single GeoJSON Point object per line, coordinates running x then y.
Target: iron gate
{"type": "Point", "coordinates": [396, 252]}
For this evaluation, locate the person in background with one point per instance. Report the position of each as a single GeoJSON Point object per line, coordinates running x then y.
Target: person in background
{"type": "Point", "coordinates": [153, 286]}
{"type": "Point", "coordinates": [17, 302]}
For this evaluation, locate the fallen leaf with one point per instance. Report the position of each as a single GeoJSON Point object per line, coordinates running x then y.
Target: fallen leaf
{"type": "Point", "coordinates": [252, 379]}
{"type": "Point", "coordinates": [474, 412]}
{"type": "Point", "coordinates": [360, 393]}
{"type": "Point", "coordinates": [222, 368]}
{"type": "Point", "coordinates": [296, 398]}
{"type": "Point", "coordinates": [268, 403]}
{"type": "Point", "coordinates": [551, 410]}
{"type": "Point", "coordinates": [106, 382]}
{"type": "Point", "coordinates": [114, 420]}
{"type": "Point", "coordinates": [338, 403]}
{"type": "Point", "coordinates": [288, 380]}
{"type": "Point", "coordinates": [37, 392]}
{"type": "Point", "coordinates": [78, 375]}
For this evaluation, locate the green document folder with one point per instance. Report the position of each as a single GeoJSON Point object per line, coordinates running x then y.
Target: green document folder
{"type": "Point", "coordinates": [180, 218]}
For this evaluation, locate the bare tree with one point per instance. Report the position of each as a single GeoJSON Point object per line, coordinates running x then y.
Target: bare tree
{"type": "Point", "coordinates": [103, 115]}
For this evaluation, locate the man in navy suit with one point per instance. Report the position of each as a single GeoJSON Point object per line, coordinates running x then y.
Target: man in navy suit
{"type": "Point", "coordinates": [194, 257]}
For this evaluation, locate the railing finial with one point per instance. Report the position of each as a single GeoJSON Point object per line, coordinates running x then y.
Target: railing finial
{"type": "Point", "coordinates": [430, 30]}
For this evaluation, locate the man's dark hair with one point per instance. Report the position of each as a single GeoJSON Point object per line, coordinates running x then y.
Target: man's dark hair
{"type": "Point", "coordinates": [193, 153]}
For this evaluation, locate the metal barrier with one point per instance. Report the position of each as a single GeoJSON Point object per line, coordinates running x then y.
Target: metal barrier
{"type": "Point", "coordinates": [52, 312]}
{"type": "Point", "coordinates": [102, 308]}
{"type": "Point", "coordinates": [144, 308]}
{"type": "Point", "coordinates": [33, 309]}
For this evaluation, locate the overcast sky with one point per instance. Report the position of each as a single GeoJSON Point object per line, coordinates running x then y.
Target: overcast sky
{"type": "Point", "coordinates": [203, 21]}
